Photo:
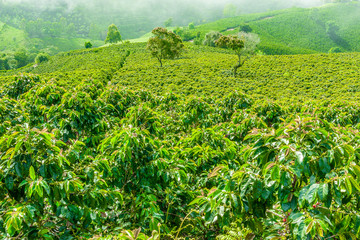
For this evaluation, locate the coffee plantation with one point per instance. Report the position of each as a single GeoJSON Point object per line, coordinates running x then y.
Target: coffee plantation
{"type": "Point", "coordinates": [104, 144]}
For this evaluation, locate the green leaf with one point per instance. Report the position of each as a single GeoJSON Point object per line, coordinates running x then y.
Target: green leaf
{"type": "Point", "coordinates": [32, 173]}
{"type": "Point", "coordinates": [221, 211]}
{"type": "Point", "coordinates": [299, 157]}
{"type": "Point", "coordinates": [323, 191]}
{"type": "Point", "coordinates": [312, 193]}
{"type": "Point", "coordinates": [23, 183]}
{"type": "Point", "coordinates": [296, 217]}
{"type": "Point", "coordinates": [309, 227]}
{"type": "Point", "coordinates": [348, 186]}
{"type": "Point", "coordinates": [275, 173]}
{"type": "Point", "coordinates": [196, 200]}
{"type": "Point", "coordinates": [354, 183]}
{"type": "Point", "coordinates": [9, 182]}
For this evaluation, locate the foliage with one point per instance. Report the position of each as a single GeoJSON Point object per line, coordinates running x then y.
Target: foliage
{"type": "Point", "coordinates": [42, 57]}
{"type": "Point", "coordinates": [191, 26]}
{"type": "Point", "coordinates": [234, 43]}
{"type": "Point", "coordinates": [21, 58]}
{"type": "Point", "coordinates": [335, 50]}
{"type": "Point", "coordinates": [251, 40]}
{"type": "Point", "coordinates": [88, 45]}
{"type": "Point", "coordinates": [296, 30]}
{"type": "Point", "coordinates": [180, 152]}
{"type": "Point", "coordinates": [245, 28]}
{"type": "Point", "coordinates": [331, 28]}
{"type": "Point", "coordinates": [242, 45]}
{"type": "Point", "coordinates": [113, 34]}
{"type": "Point", "coordinates": [4, 63]}
{"type": "Point", "coordinates": [164, 44]}
{"type": "Point", "coordinates": [211, 38]}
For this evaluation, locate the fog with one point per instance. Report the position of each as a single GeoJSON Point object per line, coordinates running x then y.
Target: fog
{"type": "Point", "coordinates": [171, 5]}
{"type": "Point", "coordinates": [136, 17]}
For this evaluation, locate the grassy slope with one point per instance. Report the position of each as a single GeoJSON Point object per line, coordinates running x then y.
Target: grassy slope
{"type": "Point", "coordinates": [295, 30]}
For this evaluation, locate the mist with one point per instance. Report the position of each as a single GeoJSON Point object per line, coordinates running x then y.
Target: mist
{"type": "Point", "coordinates": [244, 5]}
{"type": "Point", "coordinates": [137, 17]}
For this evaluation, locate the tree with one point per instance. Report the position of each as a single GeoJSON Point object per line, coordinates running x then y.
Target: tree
{"type": "Point", "coordinates": [243, 45]}
{"type": "Point", "coordinates": [113, 35]}
{"type": "Point", "coordinates": [168, 22]}
{"type": "Point", "coordinates": [42, 57]}
{"type": "Point", "coordinates": [164, 44]}
{"type": "Point", "coordinates": [191, 26]}
{"type": "Point", "coordinates": [21, 58]}
{"type": "Point", "coordinates": [245, 28]}
{"type": "Point", "coordinates": [4, 62]}
{"type": "Point", "coordinates": [211, 38]}
{"type": "Point", "coordinates": [332, 28]}
{"type": "Point", "coordinates": [88, 45]}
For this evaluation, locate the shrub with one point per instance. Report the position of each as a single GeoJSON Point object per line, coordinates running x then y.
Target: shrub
{"type": "Point", "coordinates": [191, 26]}
{"type": "Point", "coordinates": [335, 50]}
{"type": "Point", "coordinates": [211, 38]}
{"type": "Point", "coordinates": [88, 45]}
{"type": "Point", "coordinates": [42, 57]}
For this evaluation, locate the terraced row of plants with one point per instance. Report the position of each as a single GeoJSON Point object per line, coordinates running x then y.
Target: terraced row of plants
{"type": "Point", "coordinates": [296, 30]}
{"type": "Point", "coordinates": [204, 70]}
{"type": "Point", "coordinates": [75, 66]}
{"type": "Point", "coordinates": [108, 151]}
{"type": "Point", "coordinates": [100, 160]}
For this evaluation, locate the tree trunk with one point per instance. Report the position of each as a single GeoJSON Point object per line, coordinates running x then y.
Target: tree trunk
{"type": "Point", "coordinates": [238, 65]}
{"type": "Point", "coordinates": [160, 62]}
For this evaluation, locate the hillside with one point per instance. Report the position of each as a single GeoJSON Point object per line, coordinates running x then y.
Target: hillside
{"type": "Point", "coordinates": [105, 144]}
{"type": "Point", "coordinates": [13, 39]}
{"type": "Point", "coordinates": [205, 70]}
{"type": "Point", "coordinates": [298, 30]}
{"type": "Point", "coordinates": [294, 30]}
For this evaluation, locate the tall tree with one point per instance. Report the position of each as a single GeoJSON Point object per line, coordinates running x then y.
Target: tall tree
{"type": "Point", "coordinates": [113, 35]}
{"type": "Point", "coordinates": [243, 45]}
{"type": "Point", "coordinates": [164, 44]}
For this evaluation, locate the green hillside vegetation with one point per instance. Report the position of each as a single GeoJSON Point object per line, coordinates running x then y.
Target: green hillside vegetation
{"type": "Point", "coordinates": [205, 70]}
{"type": "Point", "coordinates": [103, 143]}
{"type": "Point", "coordinates": [294, 30]}
{"type": "Point", "coordinates": [11, 39]}
{"type": "Point", "coordinates": [56, 45]}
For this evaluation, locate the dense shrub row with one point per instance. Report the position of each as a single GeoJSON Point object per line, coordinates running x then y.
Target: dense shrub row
{"type": "Point", "coordinates": [104, 143]}
{"type": "Point", "coordinates": [100, 160]}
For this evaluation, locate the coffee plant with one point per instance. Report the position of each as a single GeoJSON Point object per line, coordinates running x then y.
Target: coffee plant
{"type": "Point", "coordinates": [183, 152]}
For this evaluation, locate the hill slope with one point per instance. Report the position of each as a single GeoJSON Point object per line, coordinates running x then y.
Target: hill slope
{"type": "Point", "coordinates": [204, 70]}
{"type": "Point", "coordinates": [102, 142]}
{"type": "Point", "coordinates": [13, 39]}
{"type": "Point", "coordinates": [295, 30]}
{"type": "Point", "coordinates": [299, 30]}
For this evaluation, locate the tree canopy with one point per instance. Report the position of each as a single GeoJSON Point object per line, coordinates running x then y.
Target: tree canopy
{"type": "Point", "coordinates": [164, 44]}
{"type": "Point", "coordinates": [113, 35]}
{"type": "Point", "coordinates": [244, 44]}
